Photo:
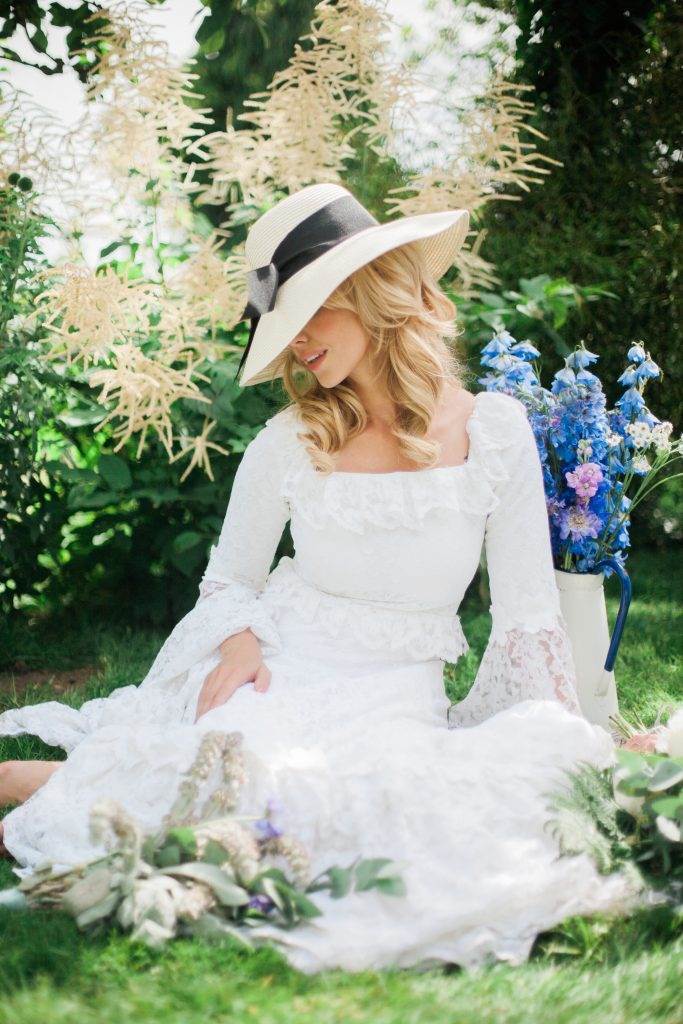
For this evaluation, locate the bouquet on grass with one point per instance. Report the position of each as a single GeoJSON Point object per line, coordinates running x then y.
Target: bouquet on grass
{"type": "Point", "coordinates": [598, 464]}
{"type": "Point", "coordinates": [206, 873]}
{"type": "Point", "coordinates": [630, 816]}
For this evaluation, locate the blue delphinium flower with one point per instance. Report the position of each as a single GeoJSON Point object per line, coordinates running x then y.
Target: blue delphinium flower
{"type": "Point", "coordinates": [647, 370]}
{"type": "Point", "coordinates": [580, 358]}
{"type": "Point", "coordinates": [631, 402]}
{"type": "Point", "coordinates": [586, 451]}
{"type": "Point", "coordinates": [636, 353]}
{"type": "Point", "coordinates": [628, 377]}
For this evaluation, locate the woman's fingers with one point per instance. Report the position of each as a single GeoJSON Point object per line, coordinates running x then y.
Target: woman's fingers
{"type": "Point", "coordinates": [221, 683]}
{"type": "Point", "coordinates": [262, 678]}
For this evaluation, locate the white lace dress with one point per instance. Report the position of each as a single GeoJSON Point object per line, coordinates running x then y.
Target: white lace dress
{"type": "Point", "coordinates": [351, 738]}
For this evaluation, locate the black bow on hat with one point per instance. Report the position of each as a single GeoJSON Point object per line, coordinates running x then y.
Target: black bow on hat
{"type": "Point", "coordinates": [314, 236]}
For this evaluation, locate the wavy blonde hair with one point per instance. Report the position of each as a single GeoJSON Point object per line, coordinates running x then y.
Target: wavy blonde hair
{"type": "Point", "coordinates": [408, 319]}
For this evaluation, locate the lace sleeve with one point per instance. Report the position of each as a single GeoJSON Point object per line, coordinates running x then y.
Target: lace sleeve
{"type": "Point", "coordinates": [528, 655]}
{"type": "Point", "coordinates": [238, 565]}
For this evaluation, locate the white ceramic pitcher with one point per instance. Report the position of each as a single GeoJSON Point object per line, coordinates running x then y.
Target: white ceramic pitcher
{"type": "Point", "coordinates": [582, 599]}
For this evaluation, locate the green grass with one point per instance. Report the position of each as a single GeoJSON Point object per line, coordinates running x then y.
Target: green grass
{"type": "Point", "coordinates": [587, 970]}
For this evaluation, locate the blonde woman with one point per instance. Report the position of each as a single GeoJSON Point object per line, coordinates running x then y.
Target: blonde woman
{"type": "Point", "coordinates": [393, 477]}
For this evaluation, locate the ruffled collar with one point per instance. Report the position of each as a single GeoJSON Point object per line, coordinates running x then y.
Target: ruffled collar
{"type": "Point", "coordinates": [402, 498]}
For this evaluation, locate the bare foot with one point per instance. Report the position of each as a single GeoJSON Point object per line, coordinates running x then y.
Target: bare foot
{"type": "Point", "coordinates": [20, 779]}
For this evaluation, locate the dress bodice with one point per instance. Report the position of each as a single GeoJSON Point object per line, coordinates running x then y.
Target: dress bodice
{"type": "Point", "coordinates": [384, 559]}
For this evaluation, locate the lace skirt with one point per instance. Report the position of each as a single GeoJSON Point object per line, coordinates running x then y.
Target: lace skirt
{"type": "Point", "coordinates": [354, 746]}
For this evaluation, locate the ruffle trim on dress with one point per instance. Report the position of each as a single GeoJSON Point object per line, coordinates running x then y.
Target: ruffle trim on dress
{"type": "Point", "coordinates": [420, 634]}
{"type": "Point", "coordinates": [403, 499]}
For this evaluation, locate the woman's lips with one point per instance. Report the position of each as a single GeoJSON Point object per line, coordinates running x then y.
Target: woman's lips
{"type": "Point", "coordinates": [315, 363]}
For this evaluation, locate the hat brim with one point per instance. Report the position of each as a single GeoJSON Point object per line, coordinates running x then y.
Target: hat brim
{"type": "Point", "coordinates": [298, 299]}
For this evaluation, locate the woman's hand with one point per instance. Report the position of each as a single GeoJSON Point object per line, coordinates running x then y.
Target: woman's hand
{"type": "Point", "coordinates": [241, 662]}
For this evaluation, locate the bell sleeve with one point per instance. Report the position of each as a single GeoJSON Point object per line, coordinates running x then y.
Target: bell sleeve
{"type": "Point", "coordinates": [229, 598]}
{"type": "Point", "coordinates": [228, 602]}
{"type": "Point", "coordinates": [528, 655]}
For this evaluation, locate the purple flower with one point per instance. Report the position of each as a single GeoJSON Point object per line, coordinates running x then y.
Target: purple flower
{"type": "Point", "coordinates": [585, 479]}
{"type": "Point", "coordinates": [267, 827]}
{"type": "Point", "coordinates": [261, 903]}
{"type": "Point", "coordinates": [580, 522]}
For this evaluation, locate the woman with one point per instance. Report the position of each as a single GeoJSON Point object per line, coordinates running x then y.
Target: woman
{"type": "Point", "coordinates": [331, 664]}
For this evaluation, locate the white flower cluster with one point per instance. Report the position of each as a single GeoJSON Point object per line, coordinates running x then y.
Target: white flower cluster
{"type": "Point", "coordinates": [660, 435]}
{"type": "Point", "coordinates": [644, 436]}
{"type": "Point", "coordinates": [641, 434]}
{"type": "Point", "coordinates": [641, 464]}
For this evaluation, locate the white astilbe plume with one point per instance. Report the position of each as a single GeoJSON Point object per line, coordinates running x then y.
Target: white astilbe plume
{"type": "Point", "coordinates": [303, 121]}
{"type": "Point", "coordinates": [96, 312]}
{"type": "Point", "coordinates": [150, 340]}
{"type": "Point", "coordinates": [140, 118]}
{"type": "Point", "coordinates": [198, 447]}
{"type": "Point", "coordinates": [492, 156]}
{"type": "Point", "coordinates": [241, 848]}
{"type": "Point", "coordinates": [144, 390]}
{"type": "Point", "coordinates": [211, 285]}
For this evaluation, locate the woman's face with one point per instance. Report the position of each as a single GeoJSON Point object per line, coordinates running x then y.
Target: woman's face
{"type": "Point", "coordinates": [338, 341]}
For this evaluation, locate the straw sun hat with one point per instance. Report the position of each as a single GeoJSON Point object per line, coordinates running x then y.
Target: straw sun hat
{"type": "Point", "coordinates": [301, 249]}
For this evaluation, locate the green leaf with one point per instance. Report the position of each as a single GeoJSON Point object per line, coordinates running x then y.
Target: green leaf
{"type": "Point", "coordinates": [224, 889]}
{"type": "Point", "coordinates": [270, 888]}
{"type": "Point", "coordinates": [185, 838]}
{"type": "Point", "coordinates": [39, 40]}
{"type": "Point", "coordinates": [214, 853]}
{"type": "Point", "coordinates": [211, 927]}
{"type": "Point", "coordinates": [82, 417]}
{"type": "Point", "coordinates": [666, 775]}
{"type": "Point", "coordinates": [367, 871]}
{"type": "Point", "coordinates": [112, 247]}
{"type": "Point", "coordinates": [636, 784]}
{"type": "Point", "coordinates": [669, 806]}
{"type": "Point", "coordinates": [305, 906]}
{"type": "Point", "coordinates": [341, 880]}
{"type": "Point", "coordinates": [630, 759]}
{"type": "Point", "coordinates": [115, 472]}
{"type": "Point", "coordinates": [213, 43]}
{"type": "Point", "coordinates": [392, 886]}
{"type": "Point", "coordinates": [80, 497]}
{"type": "Point", "coordinates": [187, 540]}
{"type": "Point", "coordinates": [168, 855]}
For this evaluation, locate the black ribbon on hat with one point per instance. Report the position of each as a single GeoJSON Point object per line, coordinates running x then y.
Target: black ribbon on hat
{"type": "Point", "coordinates": [311, 238]}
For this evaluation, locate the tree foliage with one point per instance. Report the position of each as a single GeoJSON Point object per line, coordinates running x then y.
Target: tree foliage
{"type": "Point", "coordinates": [605, 75]}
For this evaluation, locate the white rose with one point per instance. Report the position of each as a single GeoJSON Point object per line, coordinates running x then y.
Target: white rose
{"type": "Point", "coordinates": [670, 740]}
